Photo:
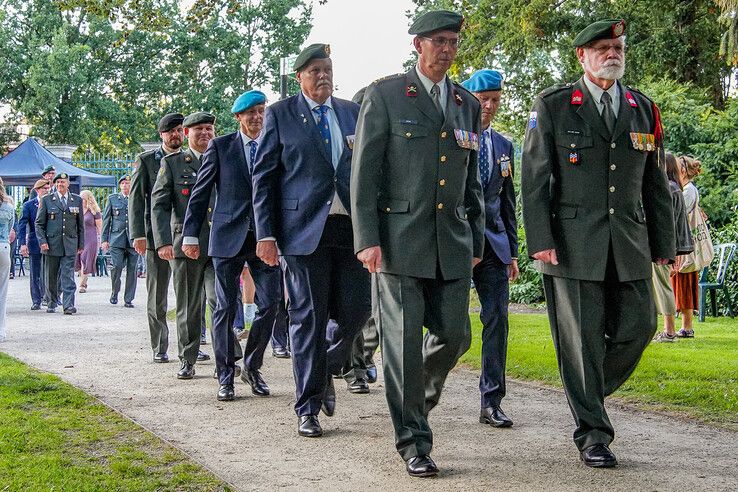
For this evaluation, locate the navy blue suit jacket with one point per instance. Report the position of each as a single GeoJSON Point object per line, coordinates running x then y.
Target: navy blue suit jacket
{"type": "Point", "coordinates": [294, 180]}
{"type": "Point", "coordinates": [223, 166]}
{"type": "Point", "coordinates": [28, 221]}
{"type": "Point", "coordinates": [501, 229]}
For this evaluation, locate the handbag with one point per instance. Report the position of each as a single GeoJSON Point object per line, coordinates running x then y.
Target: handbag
{"type": "Point", "coordinates": [703, 249]}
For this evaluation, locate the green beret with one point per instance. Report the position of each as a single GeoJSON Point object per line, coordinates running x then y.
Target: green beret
{"type": "Point", "coordinates": [437, 20]}
{"type": "Point", "coordinates": [48, 169]}
{"type": "Point", "coordinates": [125, 177]}
{"type": "Point", "coordinates": [170, 121]}
{"type": "Point", "coordinates": [604, 29]}
{"type": "Point", "coordinates": [312, 52]}
{"type": "Point", "coordinates": [197, 119]}
{"type": "Point", "coordinates": [60, 176]}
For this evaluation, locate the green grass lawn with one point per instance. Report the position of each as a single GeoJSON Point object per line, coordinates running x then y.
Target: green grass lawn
{"type": "Point", "coordinates": [55, 437]}
{"type": "Point", "coordinates": [696, 377]}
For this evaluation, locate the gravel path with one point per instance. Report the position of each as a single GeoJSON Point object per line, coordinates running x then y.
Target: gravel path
{"type": "Point", "coordinates": [252, 442]}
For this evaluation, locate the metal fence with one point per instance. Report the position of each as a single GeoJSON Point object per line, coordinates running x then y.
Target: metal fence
{"type": "Point", "coordinates": [110, 164]}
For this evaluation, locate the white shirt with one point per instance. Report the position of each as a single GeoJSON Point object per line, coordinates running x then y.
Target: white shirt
{"type": "Point", "coordinates": [66, 197]}
{"type": "Point", "coordinates": [197, 154]}
{"type": "Point", "coordinates": [428, 85]}
{"type": "Point", "coordinates": [597, 91]}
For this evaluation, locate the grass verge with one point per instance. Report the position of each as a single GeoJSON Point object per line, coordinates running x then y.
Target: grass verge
{"type": "Point", "coordinates": [56, 437]}
{"type": "Point", "coordinates": [693, 377]}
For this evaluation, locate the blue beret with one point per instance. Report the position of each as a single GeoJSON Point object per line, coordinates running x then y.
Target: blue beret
{"type": "Point", "coordinates": [484, 80]}
{"type": "Point", "coordinates": [247, 100]}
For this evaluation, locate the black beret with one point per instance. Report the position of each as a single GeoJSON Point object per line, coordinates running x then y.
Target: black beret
{"type": "Point", "coordinates": [604, 29]}
{"type": "Point", "coordinates": [312, 52]}
{"type": "Point", "coordinates": [198, 118]}
{"type": "Point", "coordinates": [437, 20]}
{"type": "Point", "coordinates": [48, 168]}
{"type": "Point", "coordinates": [170, 121]}
{"type": "Point", "coordinates": [60, 176]}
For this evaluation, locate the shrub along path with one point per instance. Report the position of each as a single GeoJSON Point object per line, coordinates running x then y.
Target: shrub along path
{"type": "Point", "coordinates": [252, 442]}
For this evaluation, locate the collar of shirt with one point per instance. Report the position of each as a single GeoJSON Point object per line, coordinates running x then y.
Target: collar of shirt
{"type": "Point", "coordinates": [428, 85]}
{"type": "Point", "coordinates": [597, 91]}
{"type": "Point", "coordinates": [336, 134]}
{"type": "Point", "coordinates": [196, 153]}
{"type": "Point", "coordinates": [60, 196]}
{"type": "Point", "coordinates": [246, 139]}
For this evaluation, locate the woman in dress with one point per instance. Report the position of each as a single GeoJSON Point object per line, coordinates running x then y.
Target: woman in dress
{"type": "Point", "coordinates": [7, 218]}
{"type": "Point", "coordinates": [93, 227]}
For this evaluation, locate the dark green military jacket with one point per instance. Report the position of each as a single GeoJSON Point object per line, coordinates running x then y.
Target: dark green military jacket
{"type": "Point", "coordinates": [415, 189]}
{"type": "Point", "coordinates": [143, 178]}
{"type": "Point", "coordinates": [584, 190]}
{"type": "Point", "coordinates": [115, 222]}
{"type": "Point", "coordinates": [63, 229]}
{"type": "Point", "coordinates": [169, 199]}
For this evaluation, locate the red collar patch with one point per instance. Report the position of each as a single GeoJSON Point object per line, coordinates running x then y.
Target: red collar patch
{"type": "Point", "coordinates": [458, 99]}
{"type": "Point", "coordinates": [577, 97]}
{"type": "Point", "coordinates": [631, 100]}
{"type": "Point", "coordinates": [411, 90]}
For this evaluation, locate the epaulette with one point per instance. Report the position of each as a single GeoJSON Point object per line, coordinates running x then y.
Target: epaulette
{"type": "Point", "coordinates": [460, 87]}
{"type": "Point", "coordinates": [633, 89]}
{"type": "Point", "coordinates": [388, 77]}
{"type": "Point", "coordinates": [554, 89]}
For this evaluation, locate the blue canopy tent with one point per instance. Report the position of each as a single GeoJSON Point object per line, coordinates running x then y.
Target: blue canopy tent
{"type": "Point", "coordinates": [23, 165]}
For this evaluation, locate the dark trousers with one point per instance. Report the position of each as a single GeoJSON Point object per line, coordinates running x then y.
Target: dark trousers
{"type": "Point", "coordinates": [599, 330]}
{"type": "Point", "coordinates": [189, 281]}
{"type": "Point", "coordinates": [124, 258]}
{"type": "Point", "coordinates": [158, 273]}
{"type": "Point", "coordinates": [329, 283]}
{"type": "Point", "coordinates": [491, 281]}
{"type": "Point", "coordinates": [36, 281]}
{"type": "Point", "coordinates": [209, 299]}
{"type": "Point", "coordinates": [60, 270]}
{"type": "Point", "coordinates": [365, 345]}
{"type": "Point", "coordinates": [280, 335]}
{"type": "Point", "coordinates": [266, 281]}
{"type": "Point", "coordinates": [416, 365]}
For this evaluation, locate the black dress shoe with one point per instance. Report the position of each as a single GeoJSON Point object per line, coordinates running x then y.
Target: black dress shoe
{"type": "Point", "coordinates": [113, 299]}
{"type": "Point", "coordinates": [495, 417]}
{"type": "Point", "coordinates": [128, 305]}
{"type": "Point", "coordinates": [35, 307]}
{"type": "Point", "coordinates": [598, 456]}
{"type": "Point", "coordinates": [254, 379]}
{"type": "Point", "coordinates": [201, 356]}
{"type": "Point", "coordinates": [308, 426]}
{"type": "Point", "coordinates": [70, 310]}
{"type": "Point", "coordinates": [358, 386]}
{"type": "Point", "coordinates": [161, 358]}
{"type": "Point", "coordinates": [281, 353]}
{"type": "Point", "coordinates": [51, 308]}
{"type": "Point", "coordinates": [187, 371]}
{"type": "Point", "coordinates": [328, 406]}
{"type": "Point", "coordinates": [421, 466]}
{"type": "Point", "coordinates": [226, 393]}
{"type": "Point", "coordinates": [371, 374]}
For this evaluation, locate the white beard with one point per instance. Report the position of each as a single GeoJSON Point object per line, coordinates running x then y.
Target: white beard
{"type": "Point", "coordinates": [610, 72]}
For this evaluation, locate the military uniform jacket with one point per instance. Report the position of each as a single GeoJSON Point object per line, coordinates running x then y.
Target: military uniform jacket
{"type": "Point", "coordinates": [415, 189]}
{"type": "Point", "coordinates": [169, 199]}
{"type": "Point", "coordinates": [115, 222]}
{"type": "Point", "coordinates": [63, 229]}
{"type": "Point", "coordinates": [145, 171]}
{"type": "Point", "coordinates": [585, 191]}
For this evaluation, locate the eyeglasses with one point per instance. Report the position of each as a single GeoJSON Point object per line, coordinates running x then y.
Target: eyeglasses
{"type": "Point", "coordinates": [601, 50]}
{"type": "Point", "coordinates": [440, 42]}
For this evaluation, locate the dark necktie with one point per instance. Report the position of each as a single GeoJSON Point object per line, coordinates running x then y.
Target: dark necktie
{"type": "Point", "coordinates": [607, 113]}
{"type": "Point", "coordinates": [252, 153]}
{"type": "Point", "coordinates": [325, 128]}
{"type": "Point", "coordinates": [436, 97]}
{"type": "Point", "coordinates": [484, 160]}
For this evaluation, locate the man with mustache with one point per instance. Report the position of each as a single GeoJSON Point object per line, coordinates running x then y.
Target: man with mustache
{"type": "Point", "coordinates": [418, 217]}
{"type": "Point", "coordinates": [499, 264]}
{"type": "Point", "coordinates": [145, 170]}
{"type": "Point", "coordinates": [301, 207]}
{"type": "Point", "coordinates": [597, 212]}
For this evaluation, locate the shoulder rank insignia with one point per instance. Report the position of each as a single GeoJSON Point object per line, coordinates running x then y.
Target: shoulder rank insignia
{"type": "Point", "coordinates": [577, 97]}
{"type": "Point", "coordinates": [411, 90]}
{"type": "Point", "coordinates": [458, 99]}
{"type": "Point", "coordinates": [631, 100]}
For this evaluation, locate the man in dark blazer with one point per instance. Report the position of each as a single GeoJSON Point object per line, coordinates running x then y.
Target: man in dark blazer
{"type": "Point", "coordinates": [158, 271]}
{"type": "Point", "coordinates": [60, 231]}
{"type": "Point", "coordinates": [418, 217]}
{"type": "Point", "coordinates": [29, 242]}
{"type": "Point", "coordinates": [597, 213]}
{"type": "Point", "coordinates": [114, 238]}
{"type": "Point", "coordinates": [301, 206]}
{"type": "Point", "coordinates": [499, 264]}
{"type": "Point", "coordinates": [226, 166]}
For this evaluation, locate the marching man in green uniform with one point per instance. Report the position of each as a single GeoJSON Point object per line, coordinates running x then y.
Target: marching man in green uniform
{"type": "Point", "coordinates": [597, 212]}
{"type": "Point", "coordinates": [115, 238]}
{"type": "Point", "coordinates": [158, 272]}
{"type": "Point", "coordinates": [169, 199]}
{"type": "Point", "coordinates": [418, 220]}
